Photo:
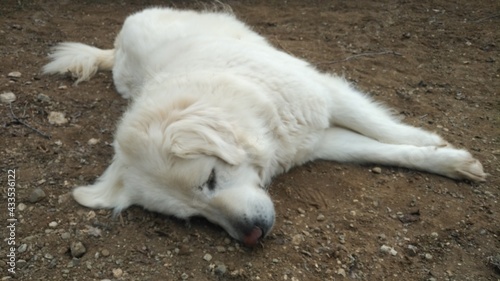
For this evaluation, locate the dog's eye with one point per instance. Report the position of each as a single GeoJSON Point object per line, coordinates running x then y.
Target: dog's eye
{"type": "Point", "coordinates": [212, 181]}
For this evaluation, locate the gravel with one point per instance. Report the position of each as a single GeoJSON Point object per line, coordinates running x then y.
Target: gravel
{"type": "Point", "coordinates": [36, 195]}
{"type": "Point", "coordinates": [207, 257]}
{"type": "Point", "coordinates": [77, 249]}
{"type": "Point", "coordinates": [57, 118]}
{"type": "Point", "coordinates": [7, 97]}
{"type": "Point", "coordinates": [14, 74]}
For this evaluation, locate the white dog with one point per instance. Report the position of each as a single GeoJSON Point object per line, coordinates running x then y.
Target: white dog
{"type": "Point", "coordinates": [217, 112]}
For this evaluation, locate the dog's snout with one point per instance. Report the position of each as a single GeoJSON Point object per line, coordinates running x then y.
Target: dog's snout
{"type": "Point", "coordinates": [253, 233]}
{"type": "Point", "coordinates": [252, 238]}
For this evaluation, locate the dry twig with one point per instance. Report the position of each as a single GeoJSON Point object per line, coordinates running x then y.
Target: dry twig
{"type": "Point", "coordinates": [487, 18]}
{"type": "Point", "coordinates": [18, 120]}
{"type": "Point", "coordinates": [362, 55]}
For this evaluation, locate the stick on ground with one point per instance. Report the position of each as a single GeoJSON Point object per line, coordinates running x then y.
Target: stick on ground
{"type": "Point", "coordinates": [18, 120]}
{"type": "Point", "coordinates": [362, 55]}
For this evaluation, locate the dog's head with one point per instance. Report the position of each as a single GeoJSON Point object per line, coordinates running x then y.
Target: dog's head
{"type": "Point", "coordinates": [195, 160]}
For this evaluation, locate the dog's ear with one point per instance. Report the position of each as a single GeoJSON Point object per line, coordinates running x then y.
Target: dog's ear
{"type": "Point", "coordinates": [198, 135]}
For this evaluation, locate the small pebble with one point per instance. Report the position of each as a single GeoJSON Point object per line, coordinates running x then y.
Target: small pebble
{"type": "Point", "coordinates": [21, 263]}
{"type": "Point", "coordinates": [341, 271]}
{"type": "Point", "coordinates": [93, 141]}
{"type": "Point", "coordinates": [57, 118]}
{"type": "Point", "coordinates": [65, 235]}
{"type": "Point", "coordinates": [207, 257]}
{"type": "Point", "coordinates": [297, 239]}
{"type": "Point", "coordinates": [37, 195]}
{"type": "Point", "coordinates": [117, 272]}
{"type": "Point", "coordinates": [105, 253]}
{"type": "Point", "coordinates": [428, 256]}
{"type": "Point", "coordinates": [221, 269]}
{"type": "Point", "coordinates": [412, 250]}
{"type": "Point", "coordinates": [22, 248]}
{"type": "Point", "coordinates": [7, 97]}
{"type": "Point", "coordinates": [21, 207]}
{"type": "Point", "coordinates": [14, 74]}
{"type": "Point", "coordinates": [77, 249]}
{"type": "Point", "coordinates": [43, 97]}
{"type": "Point", "coordinates": [377, 170]}
{"type": "Point", "coordinates": [320, 217]}
{"type": "Point", "coordinates": [184, 276]}
{"type": "Point", "coordinates": [387, 249]}
{"type": "Point", "coordinates": [221, 249]}
{"type": "Point", "coordinates": [53, 224]}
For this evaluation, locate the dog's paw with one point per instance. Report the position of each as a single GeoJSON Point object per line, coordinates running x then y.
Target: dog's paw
{"type": "Point", "coordinates": [459, 164]}
{"type": "Point", "coordinates": [471, 169]}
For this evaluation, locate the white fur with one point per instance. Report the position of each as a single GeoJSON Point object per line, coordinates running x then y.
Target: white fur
{"type": "Point", "coordinates": [209, 95]}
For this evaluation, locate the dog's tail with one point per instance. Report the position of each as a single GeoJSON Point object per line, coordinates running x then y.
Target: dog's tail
{"type": "Point", "coordinates": [82, 61]}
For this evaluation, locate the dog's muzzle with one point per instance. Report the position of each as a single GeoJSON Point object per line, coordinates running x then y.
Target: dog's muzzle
{"type": "Point", "coordinates": [247, 214]}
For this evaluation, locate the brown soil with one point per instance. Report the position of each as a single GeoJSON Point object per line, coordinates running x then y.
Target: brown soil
{"type": "Point", "coordinates": [435, 62]}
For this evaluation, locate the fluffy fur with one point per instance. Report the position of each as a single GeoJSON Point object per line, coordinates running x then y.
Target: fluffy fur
{"type": "Point", "coordinates": [217, 112]}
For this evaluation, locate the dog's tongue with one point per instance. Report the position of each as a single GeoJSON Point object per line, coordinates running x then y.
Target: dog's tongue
{"type": "Point", "coordinates": [252, 238]}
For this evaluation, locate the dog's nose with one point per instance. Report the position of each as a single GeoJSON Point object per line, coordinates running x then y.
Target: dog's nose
{"type": "Point", "coordinates": [252, 238]}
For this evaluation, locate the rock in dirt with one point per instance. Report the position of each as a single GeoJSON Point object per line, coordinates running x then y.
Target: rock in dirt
{"type": "Point", "coordinates": [341, 271]}
{"type": "Point", "coordinates": [7, 97]}
{"type": "Point", "coordinates": [93, 141]}
{"type": "Point", "coordinates": [14, 74]}
{"type": "Point", "coordinates": [22, 248]}
{"type": "Point", "coordinates": [117, 272]}
{"type": "Point", "coordinates": [220, 269]}
{"type": "Point", "coordinates": [207, 257]}
{"type": "Point", "coordinates": [57, 118]}
{"type": "Point", "coordinates": [77, 249]}
{"type": "Point", "coordinates": [37, 195]}
{"type": "Point", "coordinates": [412, 251]}
{"type": "Point", "coordinates": [297, 239]}
{"type": "Point", "coordinates": [377, 170]}
{"type": "Point", "coordinates": [43, 98]}
{"type": "Point", "coordinates": [495, 262]}
{"type": "Point", "coordinates": [21, 207]}
{"type": "Point", "coordinates": [387, 249]}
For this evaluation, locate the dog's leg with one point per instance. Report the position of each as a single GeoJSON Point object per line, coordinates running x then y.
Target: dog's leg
{"type": "Point", "coordinates": [108, 191]}
{"type": "Point", "coordinates": [356, 111]}
{"type": "Point", "coordinates": [339, 144]}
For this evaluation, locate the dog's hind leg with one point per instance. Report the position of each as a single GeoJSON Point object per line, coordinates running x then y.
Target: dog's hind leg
{"type": "Point", "coordinates": [108, 191]}
{"type": "Point", "coordinates": [339, 144]}
{"type": "Point", "coordinates": [356, 111]}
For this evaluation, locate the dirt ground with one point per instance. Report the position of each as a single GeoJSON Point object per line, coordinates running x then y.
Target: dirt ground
{"type": "Point", "coordinates": [436, 63]}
